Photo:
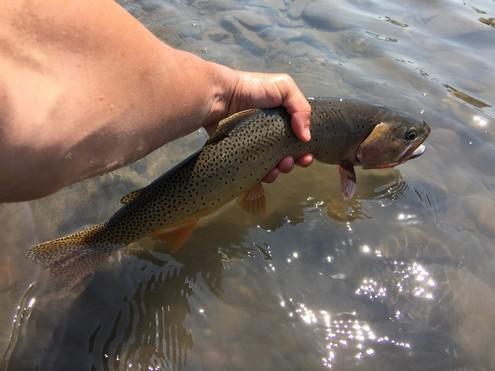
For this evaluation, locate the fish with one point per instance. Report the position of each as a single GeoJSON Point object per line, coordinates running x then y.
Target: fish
{"type": "Point", "coordinates": [231, 165]}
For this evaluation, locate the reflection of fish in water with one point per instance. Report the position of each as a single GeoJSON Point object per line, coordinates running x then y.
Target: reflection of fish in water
{"type": "Point", "coordinates": [231, 164]}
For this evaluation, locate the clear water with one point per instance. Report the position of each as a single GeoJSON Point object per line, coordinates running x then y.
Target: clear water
{"type": "Point", "coordinates": [403, 277]}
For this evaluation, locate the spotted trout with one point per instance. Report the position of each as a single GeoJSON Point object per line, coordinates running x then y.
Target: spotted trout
{"type": "Point", "coordinates": [231, 165]}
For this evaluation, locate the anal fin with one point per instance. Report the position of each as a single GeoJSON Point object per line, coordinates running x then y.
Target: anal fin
{"type": "Point", "coordinates": [176, 237]}
{"type": "Point", "coordinates": [254, 200]}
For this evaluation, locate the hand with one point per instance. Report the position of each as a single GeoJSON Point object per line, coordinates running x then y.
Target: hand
{"type": "Point", "coordinates": [261, 90]}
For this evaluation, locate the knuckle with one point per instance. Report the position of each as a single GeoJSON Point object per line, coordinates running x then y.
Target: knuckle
{"type": "Point", "coordinates": [288, 78]}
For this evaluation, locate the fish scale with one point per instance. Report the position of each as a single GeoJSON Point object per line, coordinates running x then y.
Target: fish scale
{"type": "Point", "coordinates": [236, 158]}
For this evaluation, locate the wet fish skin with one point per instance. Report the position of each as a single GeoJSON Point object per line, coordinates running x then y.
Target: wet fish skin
{"type": "Point", "coordinates": [237, 157]}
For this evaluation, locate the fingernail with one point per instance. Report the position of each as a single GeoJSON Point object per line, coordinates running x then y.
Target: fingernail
{"type": "Point", "coordinates": [307, 134]}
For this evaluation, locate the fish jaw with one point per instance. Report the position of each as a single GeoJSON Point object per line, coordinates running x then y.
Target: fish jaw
{"type": "Point", "coordinates": [407, 155]}
{"type": "Point", "coordinates": [418, 151]}
{"type": "Point", "coordinates": [391, 143]}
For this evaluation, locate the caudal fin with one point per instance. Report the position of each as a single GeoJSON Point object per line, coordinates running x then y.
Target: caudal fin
{"type": "Point", "coordinates": [74, 257]}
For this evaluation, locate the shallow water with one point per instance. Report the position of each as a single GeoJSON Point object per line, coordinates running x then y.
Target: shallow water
{"type": "Point", "coordinates": [402, 277]}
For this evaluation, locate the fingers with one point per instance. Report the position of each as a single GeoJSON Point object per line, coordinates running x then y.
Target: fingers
{"type": "Point", "coordinates": [286, 165]}
{"type": "Point", "coordinates": [261, 90]}
{"type": "Point", "coordinates": [296, 104]}
{"type": "Point", "coordinates": [305, 160]}
{"type": "Point", "coordinates": [265, 90]}
{"type": "Point", "coordinates": [300, 122]}
{"type": "Point", "coordinates": [271, 176]}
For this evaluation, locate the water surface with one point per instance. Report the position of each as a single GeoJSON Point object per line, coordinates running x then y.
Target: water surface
{"type": "Point", "coordinates": [401, 277]}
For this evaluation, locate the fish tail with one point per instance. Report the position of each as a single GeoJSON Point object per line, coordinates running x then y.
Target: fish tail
{"type": "Point", "coordinates": [74, 257]}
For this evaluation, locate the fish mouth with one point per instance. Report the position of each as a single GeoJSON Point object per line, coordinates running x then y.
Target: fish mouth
{"type": "Point", "coordinates": [418, 151]}
{"type": "Point", "coordinates": [408, 154]}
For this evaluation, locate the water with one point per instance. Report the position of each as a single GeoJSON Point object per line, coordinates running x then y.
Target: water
{"type": "Point", "coordinates": [402, 277]}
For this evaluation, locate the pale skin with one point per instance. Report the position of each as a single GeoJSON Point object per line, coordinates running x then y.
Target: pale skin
{"type": "Point", "coordinates": [86, 89]}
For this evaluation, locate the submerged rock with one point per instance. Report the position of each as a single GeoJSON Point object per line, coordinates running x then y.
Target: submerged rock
{"type": "Point", "coordinates": [275, 33]}
{"type": "Point", "coordinates": [296, 8]}
{"type": "Point", "coordinates": [356, 43]}
{"type": "Point", "coordinates": [218, 34]}
{"type": "Point", "coordinates": [482, 211]}
{"type": "Point", "coordinates": [252, 20]}
{"type": "Point", "coordinates": [453, 25]}
{"type": "Point", "coordinates": [217, 5]}
{"type": "Point", "coordinates": [472, 308]}
{"type": "Point", "coordinates": [483, 157]}
{"type": "Point", "coordinates": [488, 21]}
{"type": "Point", "coordinates": [245, 38]}
{"type": "Point", "coordinates": [327, 16]}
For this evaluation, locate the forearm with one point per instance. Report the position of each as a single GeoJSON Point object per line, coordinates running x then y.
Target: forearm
{"type": "Point", "coordinates": [85, 89]}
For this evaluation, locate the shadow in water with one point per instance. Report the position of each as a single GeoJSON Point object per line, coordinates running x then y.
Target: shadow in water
{"type": "Point", "coordinates": [134, 313]}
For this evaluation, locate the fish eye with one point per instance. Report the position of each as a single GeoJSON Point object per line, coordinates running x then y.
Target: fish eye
{"type": "Point", "coordinates": [411, 134]}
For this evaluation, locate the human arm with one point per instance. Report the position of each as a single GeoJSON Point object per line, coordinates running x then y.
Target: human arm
{"type": "Point", "coordinates": [85, 89]}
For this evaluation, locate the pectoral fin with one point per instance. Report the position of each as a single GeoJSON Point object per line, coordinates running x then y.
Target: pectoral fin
{"type": "Point", "coordinates": [176, 237]}
{"type": "Point", "coordinates": [347, 180]}
{"type": "Point", "coordinates": [254, 200]}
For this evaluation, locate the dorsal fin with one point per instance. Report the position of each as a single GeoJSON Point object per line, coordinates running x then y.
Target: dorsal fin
{"type": "Point", "coordinates": [128, 198]}
{"type": "Point", "coordinates": [226, 125]}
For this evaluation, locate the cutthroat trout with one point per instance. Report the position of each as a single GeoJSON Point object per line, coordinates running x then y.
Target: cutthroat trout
{"type": "Point", "coordinates": [232, 163]}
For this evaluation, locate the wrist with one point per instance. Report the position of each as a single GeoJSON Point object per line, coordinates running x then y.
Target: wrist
{"type": "Point", "coordinates": [224, 84]}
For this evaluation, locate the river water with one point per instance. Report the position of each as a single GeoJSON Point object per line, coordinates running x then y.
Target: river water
{"type": "Point", "coordinates": [401, 277]}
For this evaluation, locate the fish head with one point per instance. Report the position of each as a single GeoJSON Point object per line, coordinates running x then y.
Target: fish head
{"type": "Point", "coordinates": [396, 138]}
